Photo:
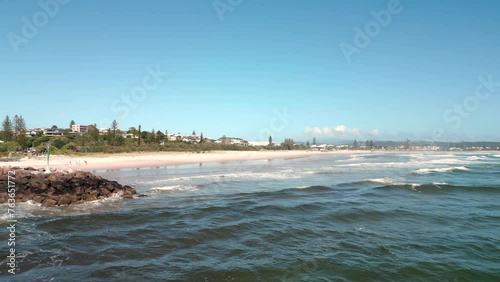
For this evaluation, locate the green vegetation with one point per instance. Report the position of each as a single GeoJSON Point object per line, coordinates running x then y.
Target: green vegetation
{"type": "Point", "coordinates": [9, 146]}
{"type": "Point", "coordinates": [6, 130]}
{"type": "Point", "coordinates": [13, 133]}
{"type": "Point", "coordinates": [114, 142]}
{"type": "Point", "coordinates": [288, 144]}
{"type": "Point", "coordinates": [20, 130]}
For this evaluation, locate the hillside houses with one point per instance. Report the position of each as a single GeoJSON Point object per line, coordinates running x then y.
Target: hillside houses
{"type": "Point", "coordinates": [231, 141]}
{"type": "Point", "coordinates": [53, 131]}
{"type": "Point", "coordinates": [184, 138]}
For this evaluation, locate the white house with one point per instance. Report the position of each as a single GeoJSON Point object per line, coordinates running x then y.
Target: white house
{"type": "Point", "coordinates": [258, 143]}
{"type": "Point", "coordinates": [173, 137]}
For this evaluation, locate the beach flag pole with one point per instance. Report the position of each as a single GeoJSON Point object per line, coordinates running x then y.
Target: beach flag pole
{"type": "Point", "coordinates": [48, 156]}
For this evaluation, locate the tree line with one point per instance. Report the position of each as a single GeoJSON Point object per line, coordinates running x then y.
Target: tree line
{"type": "Point", "coordinates": [14, 135]}
{"type": "Point", "coordinates": [14, 131]}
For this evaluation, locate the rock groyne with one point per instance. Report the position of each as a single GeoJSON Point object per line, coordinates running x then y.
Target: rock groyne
{"type": "Point", "coordinates": [58, 188]}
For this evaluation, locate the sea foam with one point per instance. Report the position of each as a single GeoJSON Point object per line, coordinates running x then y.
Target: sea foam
{"type": "Point", "coordinates": [176, 188]}
{"type": "Point", "coordinates": [386, 180]}
{"type": "Point", "coordinates": [440, 170]}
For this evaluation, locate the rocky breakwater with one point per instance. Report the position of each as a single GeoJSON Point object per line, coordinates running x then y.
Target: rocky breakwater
{"type": "Point", "coordinates": [59, 188]}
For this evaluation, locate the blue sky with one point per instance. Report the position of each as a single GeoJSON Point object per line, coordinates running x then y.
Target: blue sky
{"type": "Point", "coordinates": [257, 67]}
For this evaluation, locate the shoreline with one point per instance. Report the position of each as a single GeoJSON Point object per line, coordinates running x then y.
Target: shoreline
{"type": "Point", "coordinates": [153, 159]}
{"type": "Point", "coordinates": [159, 159]}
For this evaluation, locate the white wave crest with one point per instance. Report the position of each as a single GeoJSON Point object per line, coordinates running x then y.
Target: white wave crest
{"type": "Point", "coordinates": [247, 175]}
{"type": "Point", "coordinates": [442, 169]}
{"type": "Point", "coordinates": [31, 208]}
{"type": "Point", "coordinates": [385, 180]}
{"type": "Point", "coordinates": [476, 158]}
{"type": "Point", "coordinates": [445, 161]}
{"type": "Point", "coordinates": [415, 185]}
{"type": "Point", "coordinates": [358, 164]}
{"type": "Point", "coordinates": [175, 188]}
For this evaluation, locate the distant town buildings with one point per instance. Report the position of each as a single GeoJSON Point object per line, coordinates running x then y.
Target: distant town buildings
{"type": "Point", "coordinates": [258, 143]}
{"type": "Point", "coordinates": [79, 128]}
{"type": "Point", "coordinates": [52, 132]}
{"type": "Point", "coordinates": [231, 141]}
{"type": "Point", "coordinates": [324, 147]}
{"type": "Point", "coordinates": [162, 139]}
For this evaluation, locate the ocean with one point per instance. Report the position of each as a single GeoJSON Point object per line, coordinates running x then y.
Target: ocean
{"type": "Point", "coordinates": [333, 217]}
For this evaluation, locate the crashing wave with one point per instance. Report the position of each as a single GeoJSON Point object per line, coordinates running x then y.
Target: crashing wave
{"type": "Point", "coordinates": [440, 170]}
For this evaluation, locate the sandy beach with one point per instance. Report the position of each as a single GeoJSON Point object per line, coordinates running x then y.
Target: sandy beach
{"type": "Point", "coordinates": [153, 159]}
{"type": "Point", "coordinates": [158, 159]}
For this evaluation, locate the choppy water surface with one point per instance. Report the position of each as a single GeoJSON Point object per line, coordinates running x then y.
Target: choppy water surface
{"type": "Point", "coordinates": [368, 217]}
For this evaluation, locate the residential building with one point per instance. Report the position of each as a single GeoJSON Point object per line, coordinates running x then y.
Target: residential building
{"type": "Point", "coordinates": [79, 128]}
{"type": "Point", "coordinates": [173, 137]}
{"type": "Point", "coordinates": [191, 138]}
{"type": "Point", "coordinates": [232, 141]}
{"type": "Point", "coordinates": [258, 143]}
{"type": "Point", "coordinates": [53, 132]}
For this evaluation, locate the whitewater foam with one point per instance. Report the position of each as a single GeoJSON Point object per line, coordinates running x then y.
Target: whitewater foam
{"type": "Point", "coordinates": [414, 186]}
{"type": "Point", "coordinates": [31, 208]}
{"type": "Point", "coordinates": [357, 164]}
{"type": "Point", "coordinates": [176, 188]}
{"type": "Point", "coordinates": [445, 161]}
{"type": "Point", "coordinates": [386, 180]}
{"type": "Point", "coordinates": [249, 175]}
{"type": "Point", "coordinates": [438, 170]}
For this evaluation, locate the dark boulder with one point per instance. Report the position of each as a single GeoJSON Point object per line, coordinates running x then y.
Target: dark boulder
{"type": "Point", "coordinates": [64, 200]}
{"type": "Point", "coordinates": [60, 187]}
{"type": "Point", "coordinates": [49, 202]}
